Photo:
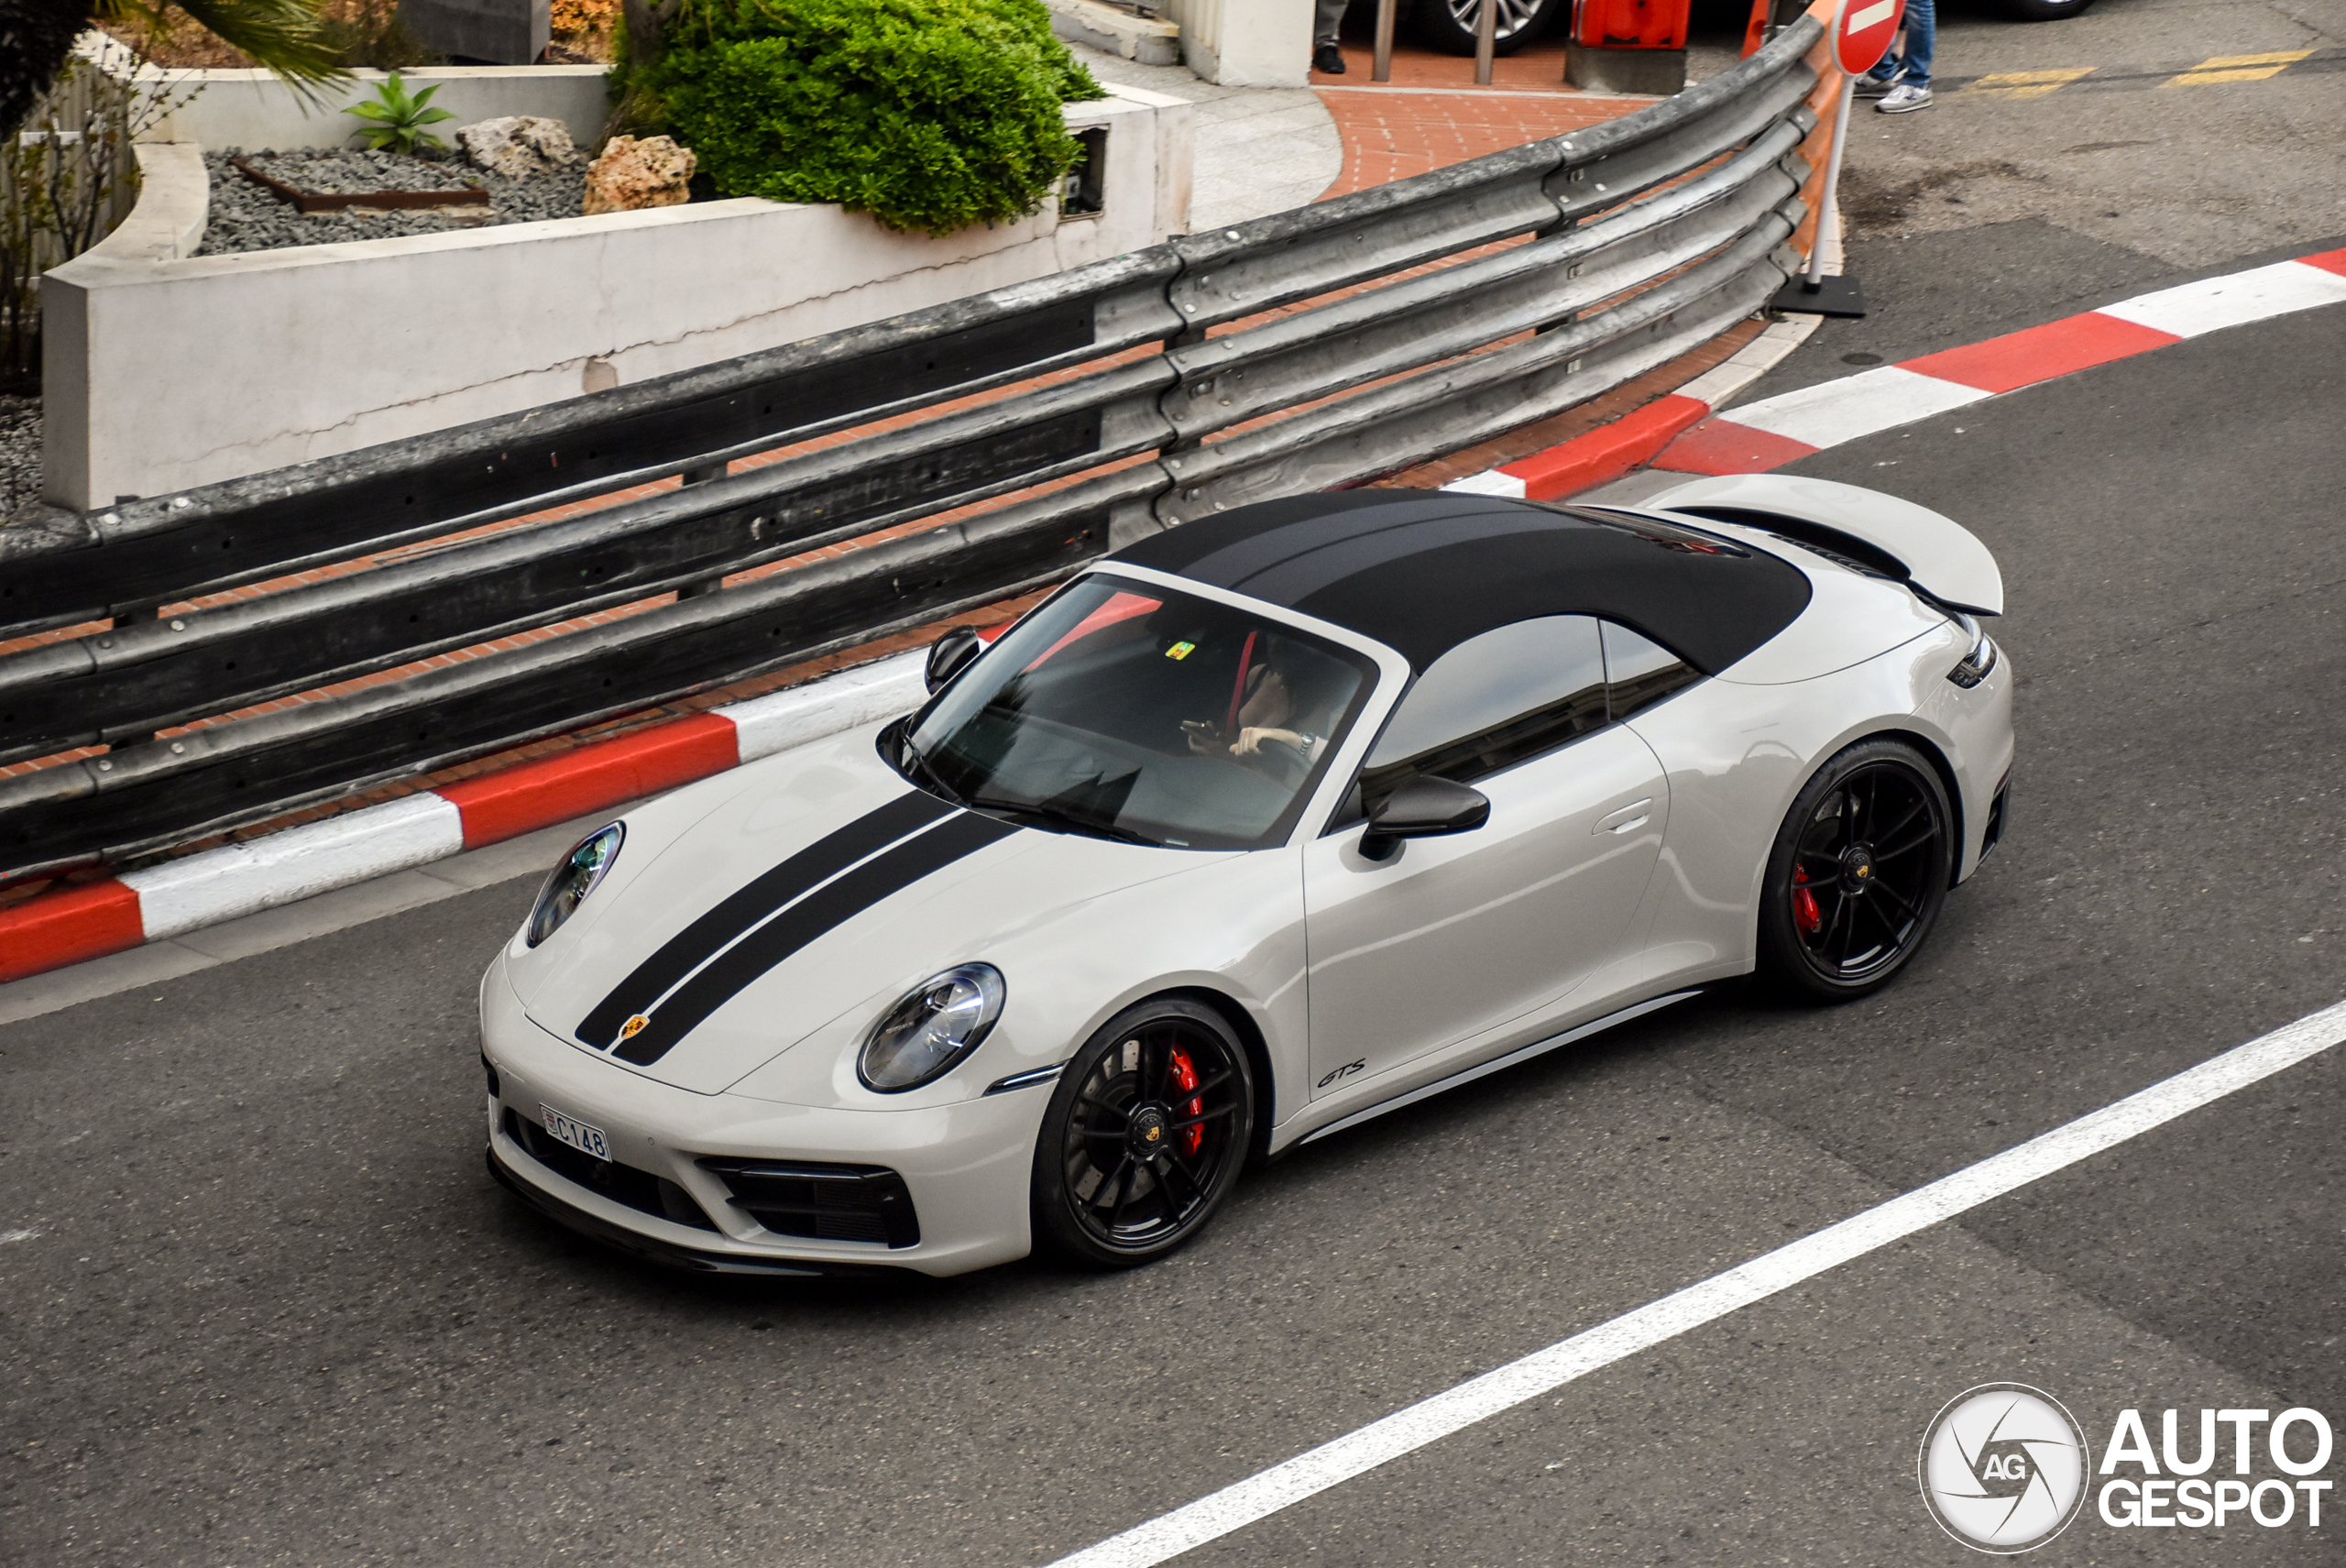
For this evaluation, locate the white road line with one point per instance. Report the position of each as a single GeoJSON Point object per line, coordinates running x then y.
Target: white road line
{"type": "Point", "coordinates": [2236, 298]}
{"type": "Point", "coordinates": [1490, 482]}
{"type": "Point", "coordinates": [1844, 408]}
{"type": "Point", "coordinates": [1267, 1492]}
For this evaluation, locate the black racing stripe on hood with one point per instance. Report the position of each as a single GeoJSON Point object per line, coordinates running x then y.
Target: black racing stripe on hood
{"type": "Point", "coordinates": [814, 915]}
{"type": "Point", "coordinates": [761, 896]}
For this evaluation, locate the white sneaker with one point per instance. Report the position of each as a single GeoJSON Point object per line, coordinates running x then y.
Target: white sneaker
{"type": "Point", "coordinates": [1872, 86]}
{"type": "Point", "coordinates": [1903, 99]}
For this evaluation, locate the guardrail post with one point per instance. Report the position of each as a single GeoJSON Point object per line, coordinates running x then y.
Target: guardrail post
{"type": "Point", "coordinates": [123, 621]}
{"type": "Point", "coordinates": [702, 475]}
{"type": "Point", "coordinates": [1381, 70]}
{"type": "Point", "coordinates": [1187, 337]}
{"type": "Point", "coordinates": [1486, 32]}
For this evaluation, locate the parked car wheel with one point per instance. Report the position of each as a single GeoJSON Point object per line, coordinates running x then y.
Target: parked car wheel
{"type": "Point", "coordinates": [1145, 1136]}
{"type": "Point", "coordinates": [1859, 870]}
{"type": "Point", "coordinates": [1448, 25]}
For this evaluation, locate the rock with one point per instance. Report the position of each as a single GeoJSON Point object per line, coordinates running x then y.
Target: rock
{"type": "Point", "coordinates": [654, 172]}
{"type": "Point", "coordinates": [515, 147]}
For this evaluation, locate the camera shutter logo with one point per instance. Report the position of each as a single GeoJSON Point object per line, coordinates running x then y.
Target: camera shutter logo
{"type": "Point", "coordinates": [2004, 1468]}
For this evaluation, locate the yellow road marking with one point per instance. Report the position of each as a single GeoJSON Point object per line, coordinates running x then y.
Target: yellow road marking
{"type": "Point", "coordinates": [2237, 68]}
{"type": "Point", "coordinates": [2027, 84]}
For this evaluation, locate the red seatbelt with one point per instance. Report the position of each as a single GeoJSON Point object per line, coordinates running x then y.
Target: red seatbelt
{"type": "Point", "coordinates": [1238, 692]}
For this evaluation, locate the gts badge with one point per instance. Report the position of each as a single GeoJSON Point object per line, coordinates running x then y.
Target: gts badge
{"type": "Point", "coordinates": [1346, 1071]}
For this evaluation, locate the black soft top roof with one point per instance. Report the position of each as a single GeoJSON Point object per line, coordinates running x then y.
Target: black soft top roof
{"type": "Point", "coordinates": [1422, 572]}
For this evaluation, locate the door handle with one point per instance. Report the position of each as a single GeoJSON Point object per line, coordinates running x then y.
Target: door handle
{"type": "Point", "coordinates": [1628, 819]}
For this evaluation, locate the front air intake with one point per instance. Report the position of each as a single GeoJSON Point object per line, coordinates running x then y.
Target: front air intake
{"type": "Point", "coordinates": [639, 1190]}
{"type": "Point", "coordinates": [824, 1202]}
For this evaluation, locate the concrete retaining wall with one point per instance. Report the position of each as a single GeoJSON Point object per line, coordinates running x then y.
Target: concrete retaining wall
{"type": "Point", "coordinates": [252, 109]}
{"type": "Point", "coordinates": [163, 370]}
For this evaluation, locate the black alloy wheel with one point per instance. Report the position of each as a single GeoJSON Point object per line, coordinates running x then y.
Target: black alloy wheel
{"type": "Point", "coordinates": [1145, 1134]}
{"type": "Point", "coordinates": [1448, 25]}
{"type": "Point", "coordinates": [1859, 871]}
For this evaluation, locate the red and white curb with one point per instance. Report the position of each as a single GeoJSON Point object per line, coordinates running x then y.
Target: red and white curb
{"type": "Point", "coordinates": [65, 927]}
{"type": "Point", "coordinates": [1681, 431]}
{"type": "Point", "coordinates": [1607, 453]}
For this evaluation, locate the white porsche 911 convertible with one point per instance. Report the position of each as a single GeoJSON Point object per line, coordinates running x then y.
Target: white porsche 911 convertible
{"type": "Point", "coordinates": [1256, 829]}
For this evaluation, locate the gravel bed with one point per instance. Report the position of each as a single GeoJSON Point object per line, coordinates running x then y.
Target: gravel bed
{"type": "Point", "coordinates": [19, 454]}
{"type": "Point", "coordinates": [357, 173]}
{"type": "Point", "coordinates": [247, 216]}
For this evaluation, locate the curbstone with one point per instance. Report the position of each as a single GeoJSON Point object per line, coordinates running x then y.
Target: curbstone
{"type": "Point", "coordinates": [530, 796]}
{"type": "Point", "coordinates": [66, 926]}
{"type": "Point", "coordinates": [1682, 432]}
{"type": "Point", "coordinates": [261, 873]}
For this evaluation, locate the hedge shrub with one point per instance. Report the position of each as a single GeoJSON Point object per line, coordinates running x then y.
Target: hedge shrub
{"type": "Point", "coordinates": [930, 114]}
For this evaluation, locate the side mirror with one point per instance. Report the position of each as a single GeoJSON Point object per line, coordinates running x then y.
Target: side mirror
{"type": "Point", "coordinates": [1422, 808]}
{"type": "Point", "coordinates": [951, 653]}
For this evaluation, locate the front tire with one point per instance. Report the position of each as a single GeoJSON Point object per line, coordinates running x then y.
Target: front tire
{"type": "Point", "coordinates": [1859, 871]}
{"type": "Point", "coordinates": [1145, 1136]}
{"type": "Point", "coordinates": [2044, 10]}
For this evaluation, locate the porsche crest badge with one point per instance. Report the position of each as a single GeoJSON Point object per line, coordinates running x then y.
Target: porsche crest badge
{"type": "Point", "coordinates": [633, 1027]}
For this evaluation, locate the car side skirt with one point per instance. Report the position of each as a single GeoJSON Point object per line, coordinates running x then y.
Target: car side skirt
{"type": "Point", "coordinates": [1483, 1069]}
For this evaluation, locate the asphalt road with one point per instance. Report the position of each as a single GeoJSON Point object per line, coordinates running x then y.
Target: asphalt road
{"type": "Point", "coordinates": [270, 1309]}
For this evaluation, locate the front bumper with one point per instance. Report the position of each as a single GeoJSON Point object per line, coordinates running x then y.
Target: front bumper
{"type": "Point", "coordinates": [668, 1255]}
{"type": "Point", "coordinates": [967, 1167]}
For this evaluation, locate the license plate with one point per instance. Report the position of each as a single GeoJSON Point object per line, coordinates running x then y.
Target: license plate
{"type": "Point", "coordinates": [578, 1134]}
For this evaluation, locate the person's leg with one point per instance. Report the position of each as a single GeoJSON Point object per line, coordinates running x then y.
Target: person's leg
{"type": "Point", "coordinates": [1922, 35]}
{"type": "Point", "coordinates": [1883, 77]}
{"type": "Point", "coordinates": [1325, 56]}
{"type": "Point", "coordinates": [1912, 90]}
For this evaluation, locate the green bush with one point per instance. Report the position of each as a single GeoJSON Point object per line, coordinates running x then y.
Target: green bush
{"type": "Point", "coordinates": [930, 114]}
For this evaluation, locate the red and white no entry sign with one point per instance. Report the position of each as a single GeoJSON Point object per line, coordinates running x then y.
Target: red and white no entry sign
{"type": "Point", "coordinates": [1861, 33]}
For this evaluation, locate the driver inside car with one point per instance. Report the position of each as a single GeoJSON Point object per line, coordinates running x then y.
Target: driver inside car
{"type": "Point", "coordinates": [1271, 706]}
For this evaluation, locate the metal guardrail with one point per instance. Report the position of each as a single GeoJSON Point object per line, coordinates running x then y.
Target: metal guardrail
{"type": "Point", "coordinates": [1436, 311]}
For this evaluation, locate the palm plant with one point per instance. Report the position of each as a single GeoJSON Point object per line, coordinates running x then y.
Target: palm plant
{"type": "Point", "coordinates": [36, 37]}
{"type": "Point", "coordinates": [396, 120]}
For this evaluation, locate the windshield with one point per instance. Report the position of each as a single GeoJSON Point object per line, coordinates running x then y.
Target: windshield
{"type": "Point", "coordinates": [1142, 713]}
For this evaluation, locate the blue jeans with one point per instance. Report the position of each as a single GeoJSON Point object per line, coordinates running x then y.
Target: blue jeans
{"type": "Point", "coordinates": [1915, 59]}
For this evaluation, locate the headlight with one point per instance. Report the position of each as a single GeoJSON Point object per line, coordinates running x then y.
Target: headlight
{"type": "Point", "coordinates": [1978, 661]}
{"type": "Point", "coordinates": [577, 876]}
{"type": "Point", "coordinates": [921, 1039]}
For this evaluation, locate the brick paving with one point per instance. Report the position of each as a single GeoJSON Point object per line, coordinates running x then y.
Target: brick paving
{"type": "Point", "coordinates": [1432, 114]}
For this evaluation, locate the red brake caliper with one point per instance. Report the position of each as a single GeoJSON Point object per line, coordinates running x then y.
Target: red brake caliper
{"type": "Point", "coordinates": [1805, 914]}
{"type": "Point", "coordinates": [1185, 1075]}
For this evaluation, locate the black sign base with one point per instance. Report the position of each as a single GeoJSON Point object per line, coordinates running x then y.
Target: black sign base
{"type": "Point", "coordinates": [1826, 297]}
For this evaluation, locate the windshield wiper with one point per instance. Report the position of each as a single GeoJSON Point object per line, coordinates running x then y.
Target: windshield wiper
{"type": "Point", "coordinates": [922, 767]}
{"type": "Point", "coordinates": [1061, 820]}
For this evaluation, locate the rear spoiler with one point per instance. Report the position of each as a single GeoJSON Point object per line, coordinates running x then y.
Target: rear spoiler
{"type": "Point", "coordinates": [1938, 556]}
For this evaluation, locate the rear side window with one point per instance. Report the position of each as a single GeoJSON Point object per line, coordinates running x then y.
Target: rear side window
{"type": "Point", "coordinates": [1640, 672]}
{"type": "Point", "coordinates": [1494, 701]}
